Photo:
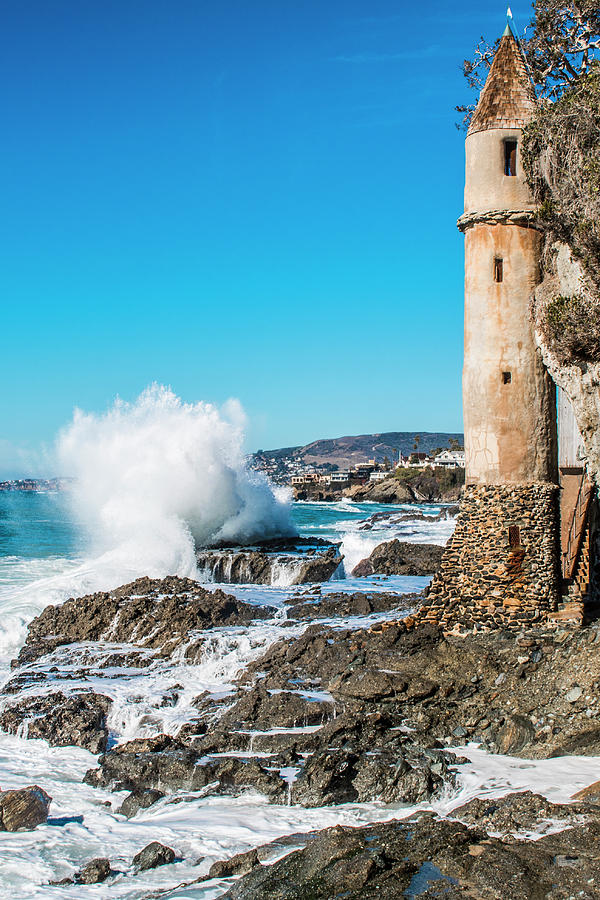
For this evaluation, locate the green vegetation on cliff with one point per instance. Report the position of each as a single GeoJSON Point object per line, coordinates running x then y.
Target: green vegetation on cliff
{"type": "Point", "coordinates": [561, 158]}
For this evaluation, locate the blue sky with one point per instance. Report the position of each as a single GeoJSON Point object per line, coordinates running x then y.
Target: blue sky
{"type": "Point", "coordinates": [254, 200]}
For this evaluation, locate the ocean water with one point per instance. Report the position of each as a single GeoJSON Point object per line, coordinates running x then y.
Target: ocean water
{"type": "Point", "coordinates": [48, 555]}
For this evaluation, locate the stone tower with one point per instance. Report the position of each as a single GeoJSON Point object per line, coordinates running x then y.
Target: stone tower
{"type": "Point", "coordinates": [501, 566]}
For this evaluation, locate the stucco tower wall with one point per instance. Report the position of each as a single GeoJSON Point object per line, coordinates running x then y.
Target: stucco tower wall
{"type": "Point", "coordinates": [486, 185]}
{"type": "Point", "coordinates": [508, 397]}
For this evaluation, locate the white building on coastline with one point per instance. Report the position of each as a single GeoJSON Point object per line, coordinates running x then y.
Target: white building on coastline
{"type": "Point", "coordinates": [450, 459]}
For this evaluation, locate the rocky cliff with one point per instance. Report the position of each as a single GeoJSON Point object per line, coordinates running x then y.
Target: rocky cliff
{"type": "Point", "coordinates": [561, 157]}
{"type": "Point", "coordinates": [562, 343]}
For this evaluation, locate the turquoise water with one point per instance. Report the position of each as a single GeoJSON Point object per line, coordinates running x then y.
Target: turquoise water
{"type": "Point", "coordinates": [36, 525]}
{"type": "Point", "coordinates": [42, 526]}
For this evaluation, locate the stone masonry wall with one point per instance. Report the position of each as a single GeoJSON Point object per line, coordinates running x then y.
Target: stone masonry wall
{"type": "Point", "coordinates": [486, 579]}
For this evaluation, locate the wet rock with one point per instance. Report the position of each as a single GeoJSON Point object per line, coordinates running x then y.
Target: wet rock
{"type": "Point", "coordinates": [367, 684]}
{"type": "Point", "coordinates": [77, 720]}
{"type": "Point", "coordinates": [153, 855]}
{"type": "Point", "coordinates": [303, 560]}
{"type": "Point", "coordinates": [240, 864]}
{"type": "Point", "coordinates": [400, 558]}
{"type": "Point", "coordinates": [165, 764]}
{"type": "Point", "coordinates": [150, 612]}
{"type": "Point", "coordinates": [146, 764]}
{"type": "Point", "coordinates": [518, 812]}
{"type": "Point", "coordinates": [341, 605]}
{"type": "Point", "coordinates": [234, 776]}
{"type": "Point", "coordinates": [426, 857]}
{"type": "Point", "coordinates": [261, 709]}
{"type": "Point", "coordinates": [356, 760]}
{"type": "Point", "coordinates": [137, 800]}
{"type": "Point", "coordinates": [24, 808]}
{"type": "Point", "coordinates": [96, 871]}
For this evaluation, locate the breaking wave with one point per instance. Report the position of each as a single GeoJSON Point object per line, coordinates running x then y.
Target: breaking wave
{"type": "Point", "coordinates": [157, 477]}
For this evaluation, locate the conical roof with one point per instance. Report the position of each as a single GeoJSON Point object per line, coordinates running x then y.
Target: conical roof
{"type": "Point", "coordinates": [508, 98]}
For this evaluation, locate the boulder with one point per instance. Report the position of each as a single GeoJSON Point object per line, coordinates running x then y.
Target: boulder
{"type": "Point", "coordinates": [145, 763]}
{"type": "Point", "coordinates": [519, 812]}
{"type": "Point", "coordinates": [96, 871]}
{"type": "Point", "coordinates": [400, 558]}
{"type": "Point", "coordinates": [515, 734]}
{"type": "Point", "coordinates": [63, 720]}
{"type": "Point", "coordinates": [153, 855]}
{"type": "Point", "coordinates": [24, 808]}
{"type": "Point", "coordinates": [341, 605]}
{"type": "Point", "coordinates": [149, 612]}
{"type": "Point", "coordinates": [137, 800]}
{"type": "Point", "coordinates": [240, 864]}
{"type": "Point", "coordinates": [298, 560]}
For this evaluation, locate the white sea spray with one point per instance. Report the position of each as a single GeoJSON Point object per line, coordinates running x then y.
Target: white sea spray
{"type": "Point", "coordinates": [155, 476]}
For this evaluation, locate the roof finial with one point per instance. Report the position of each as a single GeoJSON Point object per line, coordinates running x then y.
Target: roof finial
{"type": "Point", "coordinates": [509, 18]}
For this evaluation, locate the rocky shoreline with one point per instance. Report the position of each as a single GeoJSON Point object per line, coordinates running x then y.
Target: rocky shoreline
{"type": "Point", "coordinates": [343, 707]}
{"type": "Point", "coordinates": [416, 485]}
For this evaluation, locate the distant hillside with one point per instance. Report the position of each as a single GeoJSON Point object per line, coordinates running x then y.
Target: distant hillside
{"type": "Point", "coordinates": [346, 451]}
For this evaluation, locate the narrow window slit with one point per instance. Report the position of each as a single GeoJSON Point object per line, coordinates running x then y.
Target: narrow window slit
{"type": "Point", "coordinates": [498, 270]}
{"type": "Point", "coordinates": [510, 157]}
{"type": "Point", "coordinates": [514, 536]}
{"type": "Point", "coordinates": [506, 377]}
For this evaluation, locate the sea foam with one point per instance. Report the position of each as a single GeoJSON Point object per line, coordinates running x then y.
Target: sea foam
{"type": "Point", "coordinates": [158, 476]}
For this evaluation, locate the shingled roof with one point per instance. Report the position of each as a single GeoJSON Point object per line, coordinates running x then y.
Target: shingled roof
{"type": "Point", "coordinates": [508, 98]}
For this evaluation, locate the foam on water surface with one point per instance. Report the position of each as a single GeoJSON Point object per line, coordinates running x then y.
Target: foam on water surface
{"type": "Point", "coordinates": [82, 827]}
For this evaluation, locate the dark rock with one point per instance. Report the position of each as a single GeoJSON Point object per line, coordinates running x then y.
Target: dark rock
{"type": "Point", "coordinates": [145, 763]}
{"type": "Point", "coordinates": [137, 800]}
{"type": "Point", "coordinates": [96, 871]}
{"type": "Point", "coordinates": [519, 812]}
{"type": "Point", "coordinates": [401, 558]}
{"type": "Point", "coordinates": [341, 605]}
{"type": "Point", "coordinates": [63, 720]}
{"type": "Point", "coordinates": [426, 857]}
{"type": "Point", "coordinates": [163, 763]}
{"type": "Point", "coordinates": [356, 760]}
{"type": "Point", "coordinates": [24, 808]}
{"type": "Point", "coordinates": [132, 612]}
{"type": "Point", "coordinates": [261, 710]}
{"type": "Point", "coordinates": [516, 733]}
{"type": "Point", "coordinates": [240, 864]}
{"type": "Point", "coordinates": [153, 855]}
{"type": "Point", "coordinates": [307, 560]}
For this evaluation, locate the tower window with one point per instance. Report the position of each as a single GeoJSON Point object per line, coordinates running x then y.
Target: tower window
{"type": "Point", "coordinates": [514, 536]}
{"type": "Point", "coordinates": [498, 270]}
{"type": "Point", "coordinates": [510, 157]}
{"type": "Point", "coordinates": [506, 377]}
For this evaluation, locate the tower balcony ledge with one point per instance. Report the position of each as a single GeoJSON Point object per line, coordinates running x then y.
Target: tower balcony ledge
{"type": "Point", "coordinates": [525, 218]}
